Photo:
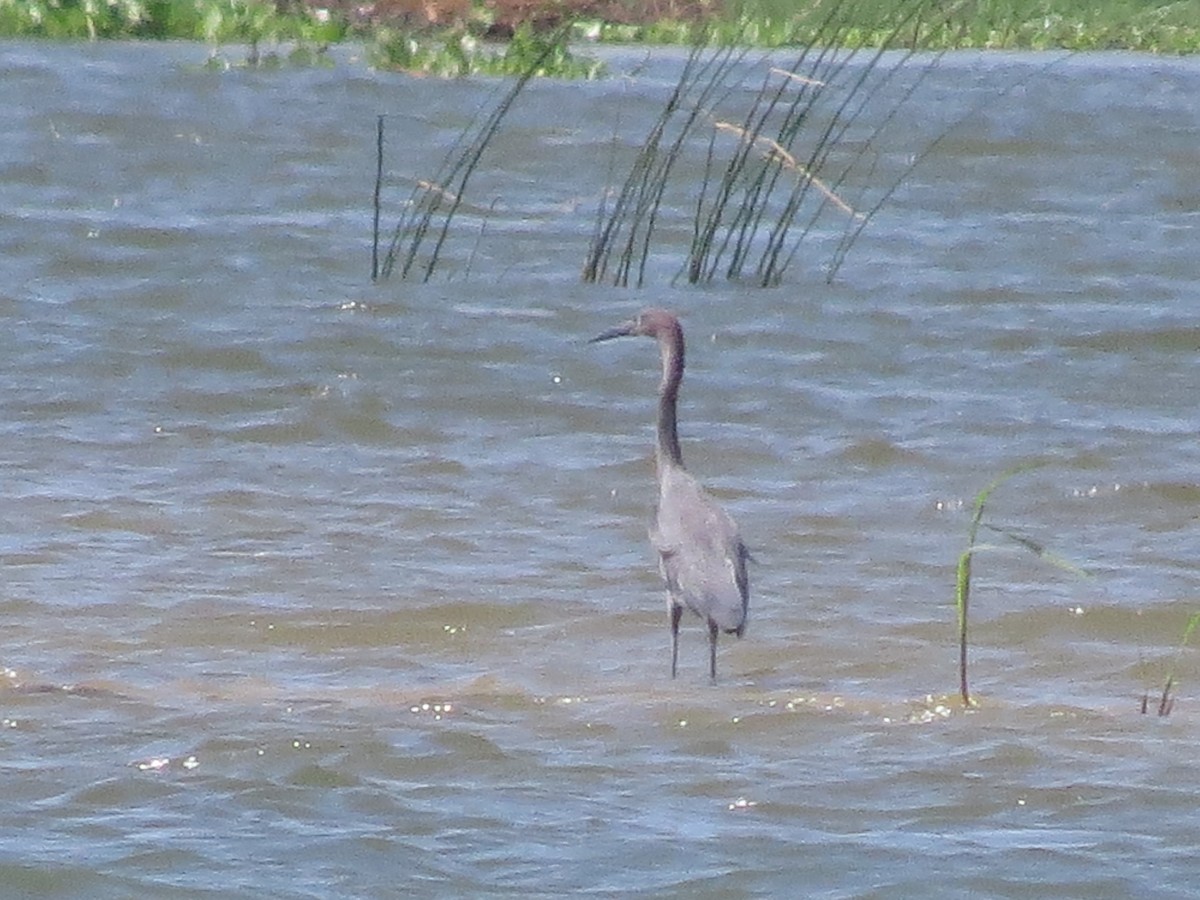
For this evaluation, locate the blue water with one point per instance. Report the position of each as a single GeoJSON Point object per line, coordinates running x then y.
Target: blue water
{"type": "Point", "coordinates": [315, 587]}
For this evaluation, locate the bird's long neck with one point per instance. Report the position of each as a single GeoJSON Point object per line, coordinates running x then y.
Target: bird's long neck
{"type": "Point", "coordinates": [667, 453]}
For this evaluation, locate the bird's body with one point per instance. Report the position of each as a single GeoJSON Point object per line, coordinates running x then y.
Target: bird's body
{"type": "Point", "coordinates": [701, 556]}
{"type": "Point", "coordinates": [700, 552]}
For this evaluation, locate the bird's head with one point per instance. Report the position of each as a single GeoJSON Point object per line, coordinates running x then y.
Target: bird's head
{"type": "Point", "coordinates": [655, 323]}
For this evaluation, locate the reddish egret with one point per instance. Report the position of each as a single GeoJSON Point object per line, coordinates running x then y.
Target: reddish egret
{"type": "Point", "coordinates": [700, 555]}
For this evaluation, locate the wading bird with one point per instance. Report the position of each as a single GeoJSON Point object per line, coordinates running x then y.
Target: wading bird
{"type": "Point", "coordinates": [700, 554]}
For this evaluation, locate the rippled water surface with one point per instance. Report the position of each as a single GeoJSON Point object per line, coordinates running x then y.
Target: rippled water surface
{"type": "Point", "coordinates": [315, 587]}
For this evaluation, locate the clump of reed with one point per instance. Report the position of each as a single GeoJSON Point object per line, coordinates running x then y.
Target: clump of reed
{"type": "Point", "coordinates": [962, 592]}
{"type": "Point", "coordinates": [780, 156]}
{"type": "Point", "coordinates": [433, 203]}
{"type": "Point", "coordinates": [777, 161]}
{"type": "Point", "coordinates": [771, 168]}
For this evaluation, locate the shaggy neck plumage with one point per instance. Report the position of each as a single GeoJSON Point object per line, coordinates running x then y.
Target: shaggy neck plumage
{"type": "Point", "coordinates": [667, 452]}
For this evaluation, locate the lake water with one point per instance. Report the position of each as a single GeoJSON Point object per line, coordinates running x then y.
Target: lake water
{"type": "Point", "coordinates": [320, 587]}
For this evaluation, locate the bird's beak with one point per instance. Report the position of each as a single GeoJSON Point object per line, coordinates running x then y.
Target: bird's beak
{"type": "Point", "coordinates": [623, 330]}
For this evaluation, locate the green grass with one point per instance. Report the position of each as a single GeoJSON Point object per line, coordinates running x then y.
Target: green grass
{"type": "Point", "coordinates": [251, 22]}
{"type": "Point", "coordinates": [962, 592]}
{"type": "Point", "coordinates": [1154, 27]}
{"type": "Point", "coordinates": [1159, 27]}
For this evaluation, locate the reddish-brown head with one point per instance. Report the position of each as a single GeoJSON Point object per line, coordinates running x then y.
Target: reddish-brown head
{"type": "Point", "coordinates": [656, 323]}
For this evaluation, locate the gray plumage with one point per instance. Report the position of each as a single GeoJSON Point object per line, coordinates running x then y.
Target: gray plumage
{"type": "Point", "coordinates": [700, 553]}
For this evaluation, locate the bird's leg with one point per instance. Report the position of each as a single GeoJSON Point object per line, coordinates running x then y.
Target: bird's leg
{"type": "Point", "coordinates": [676, 612]}
{"type": "Point", "coordinates": [712, 650]}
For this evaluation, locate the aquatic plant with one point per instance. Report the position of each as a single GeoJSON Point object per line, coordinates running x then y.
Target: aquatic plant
{"type": "Point", "coordinates": [1166, 702]}
{"type": "Point", "coordinates": [259, 24]}
{"type": "Point", "coordinates": [253, 22]}
{"type": "Point", "coordinates": [1144, 25]}
{"type": "Point", "coordinates": [774, 167]}
{"type": "Point", "coordinates": [962, 591]}
{"type": "Point", "coordinates": [438, 199]}
{"type": "Point", "coordinates": [628, 228]}
{"type": "Point", "coordinates": [90, 19]}
{"type": "Point", "coordinates": [452, 53]}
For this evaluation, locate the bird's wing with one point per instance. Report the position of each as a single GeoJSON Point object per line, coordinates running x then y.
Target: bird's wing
{"type": "Point", "coordinates": [742, 579]}
{"type": "Point", "coordinates": [702, 557]}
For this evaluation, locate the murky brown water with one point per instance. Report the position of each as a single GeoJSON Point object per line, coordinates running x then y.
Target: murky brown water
{"type": "Point", "coordinates": [316, 588]}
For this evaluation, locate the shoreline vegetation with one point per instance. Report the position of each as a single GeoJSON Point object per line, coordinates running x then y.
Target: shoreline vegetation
{"type": "Point", "coordinates": [499, 37]}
